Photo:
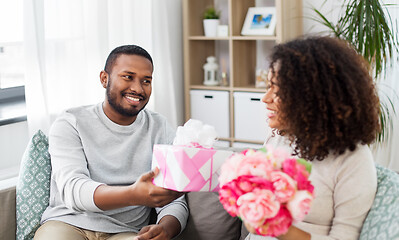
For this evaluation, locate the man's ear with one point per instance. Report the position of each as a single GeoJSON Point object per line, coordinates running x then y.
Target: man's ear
{"type": "Point", "coordinates": [104, 78]}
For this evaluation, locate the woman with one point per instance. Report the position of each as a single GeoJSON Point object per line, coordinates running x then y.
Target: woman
{"type": "Point", "coordinates": [323, 100]}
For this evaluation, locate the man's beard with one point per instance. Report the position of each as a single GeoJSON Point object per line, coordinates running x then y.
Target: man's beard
{"type": "Point", "coordinates": [121, 110]}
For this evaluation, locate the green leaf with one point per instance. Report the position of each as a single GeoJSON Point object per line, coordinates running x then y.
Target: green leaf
{"type": "Point", "coordinates": [262, 150]}
{"type": "Point", "coordinates": [308, 165]}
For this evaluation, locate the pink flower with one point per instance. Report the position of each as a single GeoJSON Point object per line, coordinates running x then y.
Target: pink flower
{"type": "Point", "coordinates": [255, 164]}
{"type": "Point", "coordinates": [277, 225]}
{"type": "Point", "coordinates": [257, 206]}
{"type": "Point", "coordinates": [228, 196]}
{"type": "Point", "coordinates": [277, 156]}
{"type": "Point", "coordinates": [299, 206]}
{"type": "Point", "coordinates": [284, 186]}
{"type": "Point", "coordinates": [248, 183]}
{"type": "Point", "coordinates": [231, 191]}
{"type": "Point", "coordinates": [230, 168]}
{"type": "Point", "coordinates": [268, 191]}
{"type": "Point", "coordinates": [299, 173]}
{"type": "Point", "coordinates": [303, 183]}
{"type": "Point", "coordinates": [289, 166]}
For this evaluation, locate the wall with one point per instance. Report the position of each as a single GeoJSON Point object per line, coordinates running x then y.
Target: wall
{"type": "Point", "coordinates": [14, 137]}
{"type": "Point", "coordinates": [13, 141]}
{"type": "Point", "coordinates": [329, 8]}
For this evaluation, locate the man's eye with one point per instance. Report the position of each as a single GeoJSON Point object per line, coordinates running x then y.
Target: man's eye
{"type": "Point", "coordinates": [146, 81]}
{"type": "Point", "coordinates": [128, 77]}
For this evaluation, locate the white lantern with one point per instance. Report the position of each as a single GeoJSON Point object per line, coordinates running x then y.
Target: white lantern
{"type": "Point", "coordinates": [211, 69]}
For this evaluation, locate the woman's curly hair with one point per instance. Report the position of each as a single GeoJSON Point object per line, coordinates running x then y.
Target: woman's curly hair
{"type": "Point", "coordinates": [328, 99]}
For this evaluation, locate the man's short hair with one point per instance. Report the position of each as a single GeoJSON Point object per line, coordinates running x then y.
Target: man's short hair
{"type": "Point", "coordinates": [128, 50]}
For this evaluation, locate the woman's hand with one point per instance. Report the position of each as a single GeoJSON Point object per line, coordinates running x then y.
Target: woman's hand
{"type": "Point", "coordinates": [293, 233]}
{"type": "Point", "coordinates": [249, 228]}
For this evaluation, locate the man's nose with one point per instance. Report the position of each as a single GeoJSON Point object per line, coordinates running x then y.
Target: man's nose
{"type": "Point", "coordinates": [136, 86]}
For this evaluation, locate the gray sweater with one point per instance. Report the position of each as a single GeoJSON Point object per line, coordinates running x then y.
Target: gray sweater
{"type": "Point", "coordinates": [87, 149]}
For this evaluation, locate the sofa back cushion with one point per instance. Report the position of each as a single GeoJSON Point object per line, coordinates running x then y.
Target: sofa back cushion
{"type": "Point", "coordinates": [208, 219]}
{"type": "Point", "coordinates": [33, 187]}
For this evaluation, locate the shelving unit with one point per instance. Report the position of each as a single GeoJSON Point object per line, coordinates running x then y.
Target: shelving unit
{"type": "Point", "coordinates": [239, 55]}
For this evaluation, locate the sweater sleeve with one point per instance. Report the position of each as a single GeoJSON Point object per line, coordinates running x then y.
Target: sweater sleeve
{"type": "Point", "coordinates": [178, 208]}
{"type": "Point", "coordinates": [353, 195]}
{"type": "Point", "coordinates": [69, 166]}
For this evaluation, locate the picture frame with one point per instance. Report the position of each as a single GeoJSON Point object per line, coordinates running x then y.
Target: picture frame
{"type": "Point", "coordinates": [260, 21]}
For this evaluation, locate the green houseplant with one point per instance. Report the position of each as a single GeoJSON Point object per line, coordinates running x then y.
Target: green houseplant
{"type": "Point", "coordinates": [367, 25]}
{"type": "Point", "coordinates": [211, 21]}
{"type": "Point", "coordinates": [211, 13]}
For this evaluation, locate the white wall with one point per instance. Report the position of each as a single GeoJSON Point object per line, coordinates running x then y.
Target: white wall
{"type": "Point", "coordinates": [13, 141]}
{"type": "Point", "coordinates": [329, 8]}
{"type": "Point", "coordinates": [15, 137]}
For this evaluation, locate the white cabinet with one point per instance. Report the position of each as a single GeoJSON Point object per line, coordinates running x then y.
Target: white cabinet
{"type": "Point", "coordinates": [211, 107]}
{"type": "Point", "coordinates": [250, 119]}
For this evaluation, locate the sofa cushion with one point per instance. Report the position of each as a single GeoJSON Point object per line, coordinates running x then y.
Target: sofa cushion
{"type": "Point", "coordinates": [382, 221]}
{"type": "Point", "coordinates": [33, 187]}
{"type": "Point", "coordinates": [208, 219]}
{"type": "Point", "coordinates": [7, 213]}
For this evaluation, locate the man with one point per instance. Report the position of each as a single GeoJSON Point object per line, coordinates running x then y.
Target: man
{"type": "Point", "coordinates": [101, 183]}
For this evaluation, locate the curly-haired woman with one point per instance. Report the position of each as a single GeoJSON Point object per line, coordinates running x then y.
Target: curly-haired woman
{"type": "Point", "coordinates": [323, 100]}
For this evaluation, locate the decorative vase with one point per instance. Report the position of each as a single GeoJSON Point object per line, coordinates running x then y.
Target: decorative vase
{"type": "Point", "coordinates": [211, 27]}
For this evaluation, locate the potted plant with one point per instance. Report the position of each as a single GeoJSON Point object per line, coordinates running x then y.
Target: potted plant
{"type": "Point", "coordinates": [367, 25]}
{"type": "Point", "coordinates": [211, 21]}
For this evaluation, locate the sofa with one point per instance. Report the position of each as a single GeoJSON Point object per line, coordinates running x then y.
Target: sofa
{"type": "Point", "coordinates": [24, 200]}
{"type": "Point", "coordinates": [207, 221]}
{"type": "Point", "coordinates": [7, 212]}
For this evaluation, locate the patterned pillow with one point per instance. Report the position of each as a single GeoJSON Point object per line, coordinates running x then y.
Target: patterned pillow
{"type": "Point", "coordinates": [382, 222]}
{"type": "Point", "coordinates": [33, 188]}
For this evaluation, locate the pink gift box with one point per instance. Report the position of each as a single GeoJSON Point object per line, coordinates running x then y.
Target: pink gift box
{"type": "Point", "coordinates": [188, 169]}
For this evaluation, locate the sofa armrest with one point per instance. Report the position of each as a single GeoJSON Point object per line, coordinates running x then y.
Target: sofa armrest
{"type": "Point", "coordinates": [7, 213]}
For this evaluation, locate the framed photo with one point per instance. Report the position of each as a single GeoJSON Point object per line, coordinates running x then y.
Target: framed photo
{"type": "Point", "coordinates": [260, 21]}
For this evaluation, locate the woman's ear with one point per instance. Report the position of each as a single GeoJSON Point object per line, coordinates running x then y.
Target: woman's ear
{"type": "Point", "coordinates": [104, 78]}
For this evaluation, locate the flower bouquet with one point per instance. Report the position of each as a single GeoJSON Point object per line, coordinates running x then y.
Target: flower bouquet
{"type": "Point", "coordinates": [268, 189]}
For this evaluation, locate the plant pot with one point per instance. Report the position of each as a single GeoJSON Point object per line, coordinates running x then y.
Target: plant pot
{"type": "Point", "coordinates": [211, 27]}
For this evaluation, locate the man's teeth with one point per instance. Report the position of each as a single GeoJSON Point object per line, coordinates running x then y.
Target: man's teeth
{"type": "Point", "coordinates": [133, 98]}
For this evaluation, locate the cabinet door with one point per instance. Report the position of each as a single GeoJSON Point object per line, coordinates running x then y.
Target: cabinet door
{"type": "Point", "coordinates": [250, 119]}
{"type": "Point", "coordinates": [211, 107]}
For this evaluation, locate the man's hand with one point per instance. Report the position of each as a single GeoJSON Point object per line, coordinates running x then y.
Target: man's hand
{"type": "Point", "coordinates": [147, 194]}
{"type": "Point", "coordinates": [143, 192]}
{"type": "Point", "coordinates": [153, 232]}
{"type": "Point", "coordinates": [167, 228]}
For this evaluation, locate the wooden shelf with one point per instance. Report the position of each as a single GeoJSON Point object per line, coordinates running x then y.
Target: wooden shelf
{"type": "Point", "coordinates": [202, 87]}
{"type": "Point", "coordinates": [207, 38]}
{"type": "Point", "coordinates": [264, 38]}
{"type": "Point", "coordinates": [240, 55]}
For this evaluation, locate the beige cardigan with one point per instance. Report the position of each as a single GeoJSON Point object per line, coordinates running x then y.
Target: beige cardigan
{"type": "Point", "coordinates": [345, 187]}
